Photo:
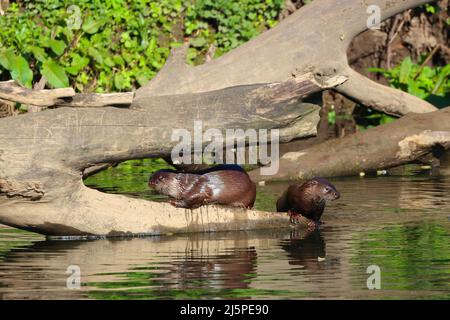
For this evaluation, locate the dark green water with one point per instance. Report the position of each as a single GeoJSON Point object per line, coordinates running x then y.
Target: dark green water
{"type": "Point", "coordinates": [399, 223]}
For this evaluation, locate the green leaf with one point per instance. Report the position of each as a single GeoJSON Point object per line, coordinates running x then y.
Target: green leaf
{"type": "Point", "coordinates": [6, 58]}
{"type": "Point", "coordinates": [118, 60]}
{"type": "Point", "coordinates": [442, 77]}
{"type": "Point", "coordinates": [198, 42]}
{"type": "Point", "coordinates": [55, 74]}
{"type": "Point", "coordinates": [151, 47]}
{"type": "Point", "coordinates": [142, 78]}
{"type": "Point", "coordinates": [57, 46]}
{"type": "Point", "coordinates": [109, 62]}
{"type": "Point", "coordinates": [405, 70]}
{"type": "Point", "coordinates": [119, 81]}
{"type": "Point", "coordinates": [77, 64]}
{"type": "Point", "coordinates": [91, 25]}
{"type": "Point", "coordinates": [21, 72]}
{"type": "Point", "coordinates": [430, 8]}
{"type": "Point", "coordinates": [38, 53]}
{"type": "Point", "coordinates": [94, 53]}
{"type": "Point", "coordinates": [17, 66]}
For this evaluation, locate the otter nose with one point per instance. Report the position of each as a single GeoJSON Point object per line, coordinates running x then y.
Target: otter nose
{"type": "Point", "coordinates": [337, 195]}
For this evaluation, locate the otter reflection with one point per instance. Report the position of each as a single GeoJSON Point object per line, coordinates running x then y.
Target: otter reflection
{"type": "Point", "coordinates": [160, 266]}
{"type": "Point", "coordinates": [232, 270]}
{"type": "Point", "coordinates": [305, 248]}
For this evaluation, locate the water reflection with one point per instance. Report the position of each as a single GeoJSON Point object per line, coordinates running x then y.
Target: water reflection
{"type": "Point", "coordinates": [285, 264]}
{"type": "Point", "coordinates": [229, 270]}
{"type": "Point", "coordinates": [305, 249]}
{"type": "Point", "coordinates": [179, 266]}
{"type": "Point", "coordinates": [400, 223]}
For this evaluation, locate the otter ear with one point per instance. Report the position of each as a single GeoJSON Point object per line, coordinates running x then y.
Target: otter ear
{"type": "Point", "coordinates": [314, 182]}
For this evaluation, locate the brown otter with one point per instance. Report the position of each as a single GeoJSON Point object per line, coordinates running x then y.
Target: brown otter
{"type": "Point", "coordinates": [190, 190]}
{"type": "Point", "coordinates": [307, 200]}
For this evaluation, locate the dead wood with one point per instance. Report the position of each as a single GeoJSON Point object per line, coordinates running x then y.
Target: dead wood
{"type": "Point", "coordinates": [406, 140]}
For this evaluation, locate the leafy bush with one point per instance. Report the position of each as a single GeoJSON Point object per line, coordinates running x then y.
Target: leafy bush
{"type": "Point", "coordinates": [428, 83]}
{"type": "Point", "coordinates": [422, 81]}
{"type": "Point", "coordinates": [227, 24]}
{"type": "Point", "coordinates": [119, 45]}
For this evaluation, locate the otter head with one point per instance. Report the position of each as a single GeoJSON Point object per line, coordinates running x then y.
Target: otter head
{"type": "Point", "coordinates": [162, 181]}
{"type": "Point", "coordinates": [326, 190]}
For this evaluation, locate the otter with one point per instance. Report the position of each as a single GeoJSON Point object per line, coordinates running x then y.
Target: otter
{"type": "Point", "coordinates": [307, 200]}
{"type": "Point", "coordinates": [223, 185]}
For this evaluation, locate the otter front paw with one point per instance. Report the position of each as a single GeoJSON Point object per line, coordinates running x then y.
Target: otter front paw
{"type": "Point", "coordinates": [313, 225]}
{"type": "Point", "coordinates": [294, 217]}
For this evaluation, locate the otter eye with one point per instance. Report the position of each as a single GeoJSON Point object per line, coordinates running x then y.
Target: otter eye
{"type": "Point", "coordinates": [327, 189]}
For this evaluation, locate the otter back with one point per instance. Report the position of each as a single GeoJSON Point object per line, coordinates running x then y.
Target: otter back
{"type": "Point", "coordinates": [225, 187]}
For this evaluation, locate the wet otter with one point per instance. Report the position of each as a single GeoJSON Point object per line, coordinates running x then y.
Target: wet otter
{"type": "Point", "coordinates": [223, 185]}
{"type": "Point", "coordinates": [307, 200]}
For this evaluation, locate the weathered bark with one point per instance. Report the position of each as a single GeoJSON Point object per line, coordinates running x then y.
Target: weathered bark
{"type": "Point", "coordinates": [96, 100]}
{"type": "Point", "coordinates": [403, 141]}
{"type": "Point", "coordinates": [11, 91]}
{"type": "Point", "coordinates": [258, 85]}
{"type": "Point", "coordinates": [64, 97]}
{"type": "Point", "coordinates": [382, 98]}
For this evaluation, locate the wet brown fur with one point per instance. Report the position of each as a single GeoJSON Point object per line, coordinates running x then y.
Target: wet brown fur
{"type": "Point", "coordinates": [307, 199]}
{"type": "Point", "coordinates": [225, 187]}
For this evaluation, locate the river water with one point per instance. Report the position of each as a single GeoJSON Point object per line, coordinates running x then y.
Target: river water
{"type": "Point", "coordinates": [398, 225]}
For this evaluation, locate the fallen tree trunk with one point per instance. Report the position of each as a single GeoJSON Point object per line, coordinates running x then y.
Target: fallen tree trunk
{"type": "Point", "coordinates": [406, 140]}
{"type": "Point", "coordinates": [315, 39]}
{"type": "Point", "coordinates": [43, 155]}
{"type": "Point", "coordinates": [258, 85]}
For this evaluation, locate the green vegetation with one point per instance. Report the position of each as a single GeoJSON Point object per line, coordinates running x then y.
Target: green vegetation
{"type": "Point", "coordinates": [119, 45]}
{"type": "Point", "coordinates": [227, 24]}
{"type": "Point", "coordinates": [429, 83]}
{"type": "Point", "coordinates": [420, 80]}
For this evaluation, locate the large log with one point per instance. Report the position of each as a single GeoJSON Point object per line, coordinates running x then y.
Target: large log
{"type": "Point", "coordinates": [315, 39]}
{"type": "Point", "coordinates": [43, 155]}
